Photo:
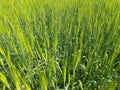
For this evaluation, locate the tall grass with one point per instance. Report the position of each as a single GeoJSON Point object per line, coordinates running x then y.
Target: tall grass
{"type": "Point", "coordinates": [59, 44]}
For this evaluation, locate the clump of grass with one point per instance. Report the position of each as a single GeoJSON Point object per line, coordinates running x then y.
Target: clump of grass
{"type": "Point", "coordinates": [54, 45]}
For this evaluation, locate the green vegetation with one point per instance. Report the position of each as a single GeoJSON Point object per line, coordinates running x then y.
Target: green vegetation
{"type": "Point", "coordinates": [59, 45]}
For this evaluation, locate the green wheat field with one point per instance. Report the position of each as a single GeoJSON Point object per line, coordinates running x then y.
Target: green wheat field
{"type": "Point", "coordinates": [59, 44]}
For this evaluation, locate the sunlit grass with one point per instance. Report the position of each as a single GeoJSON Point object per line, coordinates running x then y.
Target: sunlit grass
{"type": "Point", "coordinates": [59, 44]}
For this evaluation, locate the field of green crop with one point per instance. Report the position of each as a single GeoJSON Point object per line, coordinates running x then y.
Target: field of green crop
{"type": "Point", "coordinates": [59, 44]}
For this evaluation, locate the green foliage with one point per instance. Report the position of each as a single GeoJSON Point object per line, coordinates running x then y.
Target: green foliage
{"type": "Point", "coordinates": [59, 44]}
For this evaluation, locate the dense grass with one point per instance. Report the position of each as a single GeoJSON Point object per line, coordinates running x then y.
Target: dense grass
{"type": "Point", "coordinates": [59, 45]}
